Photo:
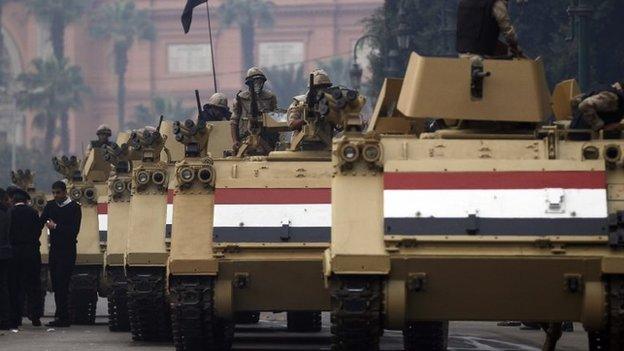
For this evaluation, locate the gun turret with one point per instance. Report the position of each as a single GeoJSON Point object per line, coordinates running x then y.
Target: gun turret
{"type": "Point", "coordinates": [68, 167]}
{"type": "Point", "coordinates": [194, 136]}
{"type": "Point", "coordinates": [23, 179]}
{"type": "Point", "coordinates": [149, 142]}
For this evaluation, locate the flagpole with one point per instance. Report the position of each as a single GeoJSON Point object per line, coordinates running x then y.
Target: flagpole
{"type": "Point", "coordinates": [214, 72]}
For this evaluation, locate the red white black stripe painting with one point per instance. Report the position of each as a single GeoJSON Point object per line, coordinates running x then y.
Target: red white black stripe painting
{"type": "Point", "coordinates": [496, 203]}
{"type": "Point", "coordinates": [272, 215]}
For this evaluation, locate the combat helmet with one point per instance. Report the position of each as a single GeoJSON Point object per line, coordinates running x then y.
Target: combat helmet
{"type": "Point", "coordinates": [321, 78]}
{"type": "Point", "coordinates": [104, 130]}
{"type": "Point", "coordinates": [255, 72]}
{"type": "Point", "coordinates": [219, 100]}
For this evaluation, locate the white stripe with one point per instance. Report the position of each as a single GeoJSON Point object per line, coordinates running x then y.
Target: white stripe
{"type": "Point", "coordinates": [523, 203]}
{"type": "Point", "coordinates": [103, 222]}
{"type": "Point", "coordinates": [306, 215]}
{"type": "Point", "coordinates": [169, 214]}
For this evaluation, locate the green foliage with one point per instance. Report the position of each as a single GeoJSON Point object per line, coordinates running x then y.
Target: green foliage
{"type": "Point", "coordinates": [36, 160]}
{"type": "Point", "coordinates": [50, 90]}
{"type": "Point", "coordinates": [542, 27]}
{"type": "Point", "coordinates": [286, 82]}
{"type": "Point", "coordinates": [172, 109]}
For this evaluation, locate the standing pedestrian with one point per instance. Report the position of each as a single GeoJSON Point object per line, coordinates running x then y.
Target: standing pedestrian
{"type": "Point", "coordinates": [5, 255]}
{"type": "Point", "coordinates": [25, 266]}
{"type": "Point", "coordinates": [62, 217]}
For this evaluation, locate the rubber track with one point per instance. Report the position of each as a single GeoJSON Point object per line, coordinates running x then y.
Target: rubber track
{"type": "Point", "coordinates": [356, 322]}
{"type": "Point", "coordinates": [304, 321]}
{"type": "Point", "coordinates": [118, 318]}
{"type": "Point", "coordinates": [432, 336]}
{"type": "Point", "coordinates": [611, 339]}
{"type": "Point", "coordinates": [148, 309]}
{"type": "Point", "coordinates": [195, 326]}
{"type": "Point", "coordinates": [83, 298]}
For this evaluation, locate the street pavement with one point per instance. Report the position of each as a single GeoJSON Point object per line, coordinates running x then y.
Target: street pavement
{"type": "Point", "coordinates": [270, 334]}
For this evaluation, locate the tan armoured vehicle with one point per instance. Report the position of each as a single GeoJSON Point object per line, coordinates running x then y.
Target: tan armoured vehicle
{"type": "Point", "coordinates": [261, 247]}
{"type": "Point", "coordinates": [86, 187]}
{"type": "Point", "coordinates": [498, 218]}
{"type": "Point", "coordinates": [24, 179]}
{"type": "Point", "coordinates": [119, 187]}
{"type": "Point", "coordinates": [149, 232]}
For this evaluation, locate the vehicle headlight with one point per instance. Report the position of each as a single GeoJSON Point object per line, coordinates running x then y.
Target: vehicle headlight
{"type": "Point", "coordinates": [158, 177]}
{"type": "Point", "coordinates": [89, 194]}
{"type": "Point", "coordinates": [186, 174]}
{"type": "Point", "coordinates": [143, 177]}
{"type": "Point", "coordinates": [119, 186]}
{"type": "Point", "coordinates": [205, 175]}
{"type": "Point", "coordinates": [350, 152]}
{"type": "Point", "coordinates": [371, 153]}
{"type": "Point", "coordinates": [75, 194]}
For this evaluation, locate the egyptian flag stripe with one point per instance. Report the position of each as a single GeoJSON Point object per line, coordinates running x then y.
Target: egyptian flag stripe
{"type": "Point", "coordinates": [495, 180]}
{"type": "Point", "coordinates": [495, 203]}
{"type": "Point", "coordinates": [102, 210]}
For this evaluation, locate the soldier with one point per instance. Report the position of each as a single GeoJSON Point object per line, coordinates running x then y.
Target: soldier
{"type": "Point", "coordinates": [602, 109]}
{"type": "Point", "coordinates": [62, 217]}
{"type": "Point", "coordinates": [104, 134]}
{"type": "Point", "coordinates": [297, 107]}
{"type": "Point", "coordinates": [216, 109]}
{"type": "Point", "coordinates": [266, 100]}
{"type": "Point", "coordinates": [479, 25]}
{"type": "Point", "coordinates": [26, 262]}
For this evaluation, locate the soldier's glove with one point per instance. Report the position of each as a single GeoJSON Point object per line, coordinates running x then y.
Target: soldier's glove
{"type": "Point", "coordinates": [236, 146]}
{"type": "Point", "coordinates": [297, 125]}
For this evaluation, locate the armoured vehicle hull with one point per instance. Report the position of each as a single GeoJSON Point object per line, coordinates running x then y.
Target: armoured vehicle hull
{"type": "Point", "coordinates": [482, 224]}
{"type": "Point", "coordinates": [261, 251]}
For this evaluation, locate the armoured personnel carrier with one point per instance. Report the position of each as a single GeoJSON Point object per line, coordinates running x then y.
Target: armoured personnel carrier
{"type": "Point", "coordinates": [24, 179]}
{"type": "Point", "coordinates": [119, 187]}
{"type": "Point", "coordinates": [149, 232]}
{"type": "Point", "coordinates": [86, 187]}
{"type": "Point", "coordinates": [262, 248]}
{"type": "Point", "coordinates": [501, 217]}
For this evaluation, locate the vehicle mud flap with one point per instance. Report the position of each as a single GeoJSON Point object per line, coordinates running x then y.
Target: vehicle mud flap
{"type": "Point", "coordinates": [304, 321]}
{"type": "Point", "coordinates": [612, 337]}
{"type": "Point", "coordinates": [83, 295]}
{"type": "Point", "coordinates": [118, 319]}
{"type": "Point", "coordinates": [356, 317]}
{"type": "Point", "coordinates": [148, 308]}
{"type": "Point", "coordinates": [195, 324]}
{"type": "Point", "coordinates": [430, 336]}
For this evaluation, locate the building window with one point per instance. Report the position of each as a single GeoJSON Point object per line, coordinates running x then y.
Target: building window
{"type": "Point", "coordinates": [189, 58]}
{"type": "Point", "coordinates": [280, 53]}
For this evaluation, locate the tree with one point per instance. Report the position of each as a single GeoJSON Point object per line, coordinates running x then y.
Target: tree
{"type": "Point", "coordinates": [59, 14]}
{"type": "Point", "coordinates": [247, 14]}
{"type": "Point", "coordinates": [121, 23]}
{"type": "Point", "coordinates": [148, 116]}
{"type": "Point", "coordinates": [286, 82]}
{"type": "Point", "coordinates": [3, 55]}
{"type": "Point", "coordinates": [52, 89]}
{"type": "Point", "coordinates": [338, 70]}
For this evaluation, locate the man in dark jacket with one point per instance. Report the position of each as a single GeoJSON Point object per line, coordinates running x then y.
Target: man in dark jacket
{"type": "Point", "coordinates": [62, 217]}
{"type": "Point", "coordinates": [25, 265]}
{"type": "Point", "coordinates": [5, 255]}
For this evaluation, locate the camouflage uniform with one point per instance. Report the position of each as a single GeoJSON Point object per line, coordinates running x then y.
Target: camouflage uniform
{"type": "Point", "coordinates": [216, 109]}
{"type": "Point", "coordinates": [297, 107]}
{"type": "Point", "coordinates": [599, 109]}
{"type": "Point", "coordinates": [267, 102]}
{"type": "Point", "coordinates": [103, 133]}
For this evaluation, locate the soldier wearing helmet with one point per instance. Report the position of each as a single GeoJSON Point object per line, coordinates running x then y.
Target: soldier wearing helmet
{"type": "Point", "coordinates": [297, 107]}
{"type": "Point", "coordinates": [242, 109]}
{"type": "Point", "coordinates": [104, 134]}
{"type": "Point", "coordinates": [601, 109]}
{"type": "Point", "coordinates": [216, 109]}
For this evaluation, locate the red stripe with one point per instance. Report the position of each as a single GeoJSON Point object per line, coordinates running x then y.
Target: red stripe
{"type": "Point", "coordinates": [495, 180]}
{"type": "Point", "coordinates": [170, 194]}
{"type": "Point", "coordinates": [102, 208]}
{"type": "Point", "coordinates": [273, 196]}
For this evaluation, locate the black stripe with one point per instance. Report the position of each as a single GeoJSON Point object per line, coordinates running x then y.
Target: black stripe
{"type": "Point", "coordinates": [272, 234]}
{"type": "Point", "coordinates": [103, 236]}
{"type": "Point", "coordinates": [496, 226]}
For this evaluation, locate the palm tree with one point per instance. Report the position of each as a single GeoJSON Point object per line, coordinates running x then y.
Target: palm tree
{"type": "Point", "coordinates": [58, 14]}
{"type": "Point", "coordinates": [3, 56]}
{"type": "Point", "coordinates": [121, 23]}
{"type": "Point", "coordinates": [286, 82]}
{"type": "Point", "coordinates": [52, 89]}
{"type": "Point", "coordinates": [246, 14]}
{"type": "Point", "coordinates": [172, 109]}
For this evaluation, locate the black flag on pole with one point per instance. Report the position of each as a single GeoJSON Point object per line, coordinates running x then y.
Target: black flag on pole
{"type": "Point", "coordinates": [187, 15]}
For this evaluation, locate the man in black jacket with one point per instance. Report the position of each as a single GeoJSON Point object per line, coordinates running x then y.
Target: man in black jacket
{"type": "Point", "coordinates": [5, 255]}
{"type": "Point", "coordinates": [62, 217]}
{"type": "Point", "coordinates": [25, 265]}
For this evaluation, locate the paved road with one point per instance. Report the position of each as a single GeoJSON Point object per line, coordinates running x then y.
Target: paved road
{"type": "Point", "coordinates": [270, 334]}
